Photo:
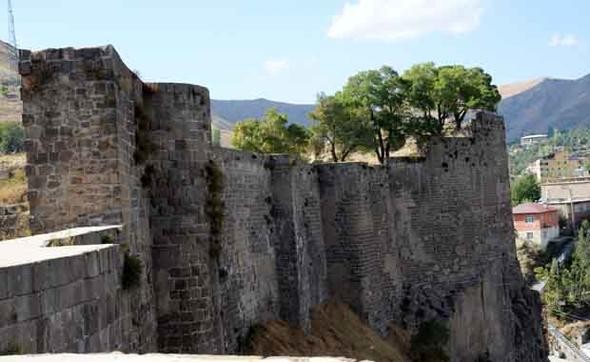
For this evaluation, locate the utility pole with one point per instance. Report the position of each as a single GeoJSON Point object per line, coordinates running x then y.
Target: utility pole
{"type": "Point", "coordinates": [12, 40]}
{"type": "Point", "coordinates": [573, 212]}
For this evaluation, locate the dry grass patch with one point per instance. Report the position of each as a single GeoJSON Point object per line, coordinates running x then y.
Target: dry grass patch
{"type": "Point", "coordinates": [336, 331]}
{"type": "Point", "coordinates": [13, 190]}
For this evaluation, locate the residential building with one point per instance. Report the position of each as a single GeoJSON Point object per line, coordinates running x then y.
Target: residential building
{"type": "Point", "coordinates": [533, 139]}
{"type": "Point", "coordinates": [536, 223]}
{"type": "Point", "coordinates": [557, 166]}
{"type": "Point", "coordinates": [571, 197]}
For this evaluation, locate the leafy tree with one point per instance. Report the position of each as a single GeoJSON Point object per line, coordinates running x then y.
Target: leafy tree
{"type": "Point", "coordinates": [3, 90]}
{"type": "Point", "coordinates": [379, 97]}
{"type": "Point", "coordinates": [459, 89]}
{"type": "Point", "coordinates": [525, 188]}
{"type": "Point", "coordinates": [271, 134]}
{"type": "Point", "coordinates": [12, 137]}
{"type": "Point", "coordinates": [338, 127]}
{"type": "Point", "coordinates": [420, 80]}
{"type": "Point", "coordinates": [449, 92]}
{"type": "Point", "coordinates": [569, 284]}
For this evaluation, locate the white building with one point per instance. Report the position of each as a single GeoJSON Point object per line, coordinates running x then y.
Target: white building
{"type": "Point", "coordinates": [533, 139]}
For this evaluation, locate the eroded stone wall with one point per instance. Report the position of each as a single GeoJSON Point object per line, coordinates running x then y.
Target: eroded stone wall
{"type": "Point", "coordinates": [231, 239]}
{"type": "Point", "coordinates": [64, 299]}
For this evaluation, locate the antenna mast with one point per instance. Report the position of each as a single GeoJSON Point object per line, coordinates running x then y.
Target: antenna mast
{"type": "Point", "coordinates": [12, 39]}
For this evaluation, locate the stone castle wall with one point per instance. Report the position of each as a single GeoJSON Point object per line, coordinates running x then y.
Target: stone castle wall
{"type": "Point", "coordinates": [231, 239]}
{"type": "Point", "coordinates": [63, 299]}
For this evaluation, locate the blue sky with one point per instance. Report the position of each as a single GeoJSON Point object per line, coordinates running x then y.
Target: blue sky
{"type": "Point", "coordinates": [289, 50]}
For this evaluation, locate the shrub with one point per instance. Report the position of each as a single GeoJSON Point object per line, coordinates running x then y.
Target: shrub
{"type": "Point", "coordinates": [131, 272]}
{"type": "Point", "coordinates": [68, 241]}
{"type": "Point", "coordinates": [430, 342]}
{"type": "Point", "coordinates": [12, 137]}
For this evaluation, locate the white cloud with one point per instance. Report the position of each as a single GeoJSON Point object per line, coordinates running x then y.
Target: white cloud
{"type": "Point", "coordinates": [565, 40]}
{"type": "Point", "coordinates": [391, 20]}
{"type": "Point", "coordinates": [273, 67]}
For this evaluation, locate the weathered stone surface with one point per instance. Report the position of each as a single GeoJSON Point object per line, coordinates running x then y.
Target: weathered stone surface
{"type": "Point", "coordinates": [231, 239]}
{"type": "Point", "coordinates": [51, 301]}
{"type": "Point", "coordinates": [169, 358]}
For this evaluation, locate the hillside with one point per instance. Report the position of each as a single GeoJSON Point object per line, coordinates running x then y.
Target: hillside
{"type": "Point", "coordinates": [6, 74]}
{"type": "Point", "coordinates": [552, 103]}
{"type": "Point", "coordinates": [234, 111]}
{"type": "Point", "coordinates": [335, 331]}
{"type": "Point", "coordinates": [512, 89]}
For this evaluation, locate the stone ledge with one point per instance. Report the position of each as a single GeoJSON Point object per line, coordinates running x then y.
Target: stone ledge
{"type": "Point", "coordinates": [32, 249]}
{"type": "Point", "coordinates": [117, 356]}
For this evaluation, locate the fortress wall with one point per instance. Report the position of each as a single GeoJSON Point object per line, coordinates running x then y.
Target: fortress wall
{"type": "Point", "coordinates": [362, 262]}
{"type": "Point", "coordinates": [185, 276]}
{"type": "Point", "coordinates": [69, 115]}
{"type": "Point", "coordinates": [230, 239]}
{"type": "Point", "coordinates": [62, 299]}
{"type": "Point", "coordinates": [248, 285]}
{"type": "Point", "coordinates": [455, 235]}
{"type": "Point", "coordinates": [298, 239]}
{"type": "Point", "coordinates": [80, 136]}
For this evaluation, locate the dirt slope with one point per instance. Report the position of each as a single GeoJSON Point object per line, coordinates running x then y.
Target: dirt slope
{"type": "Point", "coordinates": [336, 331]}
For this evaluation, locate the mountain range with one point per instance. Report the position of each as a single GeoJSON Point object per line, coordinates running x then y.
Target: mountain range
{"type": "Point", "coordinates": [532, 106]}
{"type": "Point", "coordinates": [551, 103]}
{"type": "Point", "coordinates": [228, 112]}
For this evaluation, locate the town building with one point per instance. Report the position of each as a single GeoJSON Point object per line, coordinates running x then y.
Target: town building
{"type": "Point", "coordinates": [536, 223]}
{"type": "Point", "coordinates": [571, 197]}
{"type": "Point", "coordinates": [533, 139]}
{"type": "Point", "coordinates": [557, 166]}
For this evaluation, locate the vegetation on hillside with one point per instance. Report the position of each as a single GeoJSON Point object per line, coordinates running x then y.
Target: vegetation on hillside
{"type": "Point", "coordinates": [525, 189]}
{"type": "Point", "coordinates": [567, 286]}
{"type": "Point", "coordinates": [576, 140]}
{"type": "Point", "coordinates": [12, 137]}
{"type": "Point", "coordinates": [377, 111]}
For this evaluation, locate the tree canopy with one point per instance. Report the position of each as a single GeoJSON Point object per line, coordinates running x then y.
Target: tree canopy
{"type": "Point", "coordinates": [568, 285]}
{"type": "Point", "coordinates": [376, 110]}
{"type": "Point", "coordinates": [339, 128]}
{"type": "Point", "coordinates": [449, 92]}
{"type": "Point", "coordinates": [379, 96]}
{"type": "Point", "coordinates": [525, 188]}
{"type": "Point", "coordinates": [270, 134]}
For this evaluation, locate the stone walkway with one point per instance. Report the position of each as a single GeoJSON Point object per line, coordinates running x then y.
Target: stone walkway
{"type": "Point", "coordinates": [32, 249]}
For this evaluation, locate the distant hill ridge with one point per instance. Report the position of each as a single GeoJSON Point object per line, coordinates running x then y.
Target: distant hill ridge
{"type": "Point", "coordinates": [231, 111]}
{"type": "Point", "coordinates": [552, 103]}
{"type": "Point", "coordinates": [532, 106]}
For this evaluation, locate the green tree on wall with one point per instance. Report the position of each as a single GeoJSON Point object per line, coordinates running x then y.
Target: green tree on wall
{"type": "Point", "coordinates": [338, 128]}
{"type": "Point", "coordinates": [448, 93]}
{"type": "Point", "coordinates": [379, 98]}
{"type": "Point", "coordinates": [525, 188]}
{"type": "Point", "coordinates": [271, 134]}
